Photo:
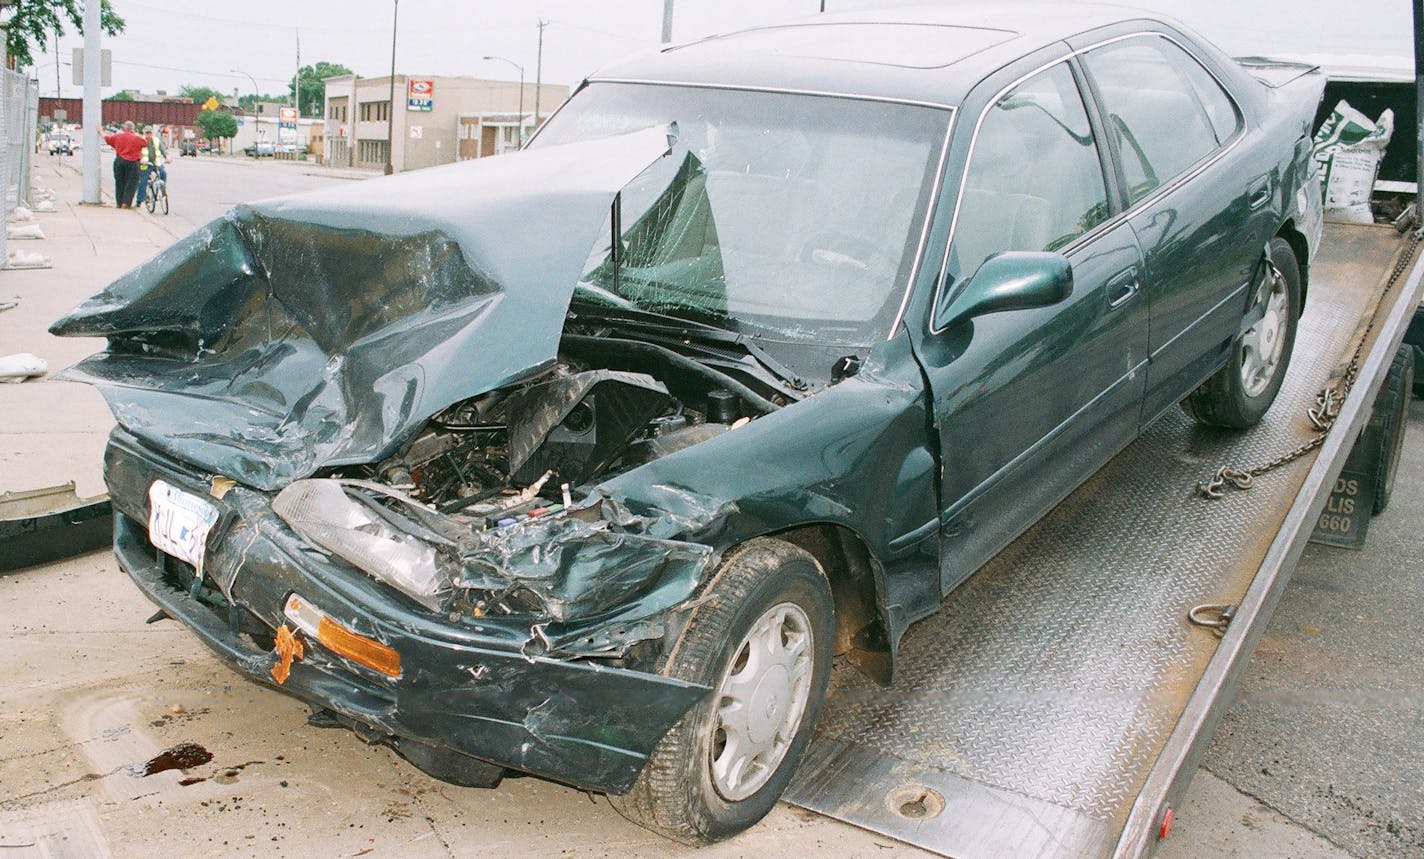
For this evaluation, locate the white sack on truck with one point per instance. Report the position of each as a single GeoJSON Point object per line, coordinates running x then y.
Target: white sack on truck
{"type": "Point", "coordinates": [1348, 149]}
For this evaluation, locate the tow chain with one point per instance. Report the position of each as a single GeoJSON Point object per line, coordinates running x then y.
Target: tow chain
{"type": "Point", "coordinates": [1322, 415]}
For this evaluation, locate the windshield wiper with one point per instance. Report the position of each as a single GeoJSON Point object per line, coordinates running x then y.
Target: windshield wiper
{"type": "Point", "coordinates": [673, 330]}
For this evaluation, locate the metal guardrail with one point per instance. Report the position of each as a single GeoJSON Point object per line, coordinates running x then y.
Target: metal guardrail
{"type": "Point", "coordinates": [19, 113]}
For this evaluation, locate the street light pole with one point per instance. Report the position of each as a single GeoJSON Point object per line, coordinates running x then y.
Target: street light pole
{"type": "Point", "coordinates": [521, 94]}
{"type": "Point", "coordinates": [256, 112]}
{"type": "Point", "coordinates": [539, 72]}
{"type": "Point", "coordinates": [391, 111]}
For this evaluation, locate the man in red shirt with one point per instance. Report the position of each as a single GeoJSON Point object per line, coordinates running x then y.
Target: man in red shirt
{"type": "Point", "coordinates": [128, 148]}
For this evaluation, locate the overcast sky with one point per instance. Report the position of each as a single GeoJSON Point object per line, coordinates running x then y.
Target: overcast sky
{"type": "Point", "coordinates": [168, 43]}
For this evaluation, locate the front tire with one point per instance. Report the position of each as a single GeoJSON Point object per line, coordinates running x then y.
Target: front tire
{"type": "Point", "coordinates": [762, 640]}
{"type": "Point", "coordinates": [1238, 395]}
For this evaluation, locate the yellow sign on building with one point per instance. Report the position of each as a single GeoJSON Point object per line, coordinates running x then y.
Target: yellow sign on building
{"type": "Point", "coordinates": [211, 103]}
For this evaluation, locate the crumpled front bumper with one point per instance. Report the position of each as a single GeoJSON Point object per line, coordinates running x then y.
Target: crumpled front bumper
{"type": "Point", "coordinates": [469, 691]}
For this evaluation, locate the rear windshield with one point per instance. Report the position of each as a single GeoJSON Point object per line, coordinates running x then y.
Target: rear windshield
{"type": "Point", "coordinates": [786, 217]}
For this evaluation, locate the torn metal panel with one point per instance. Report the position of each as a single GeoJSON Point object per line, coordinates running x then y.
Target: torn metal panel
{"type": "Point", "coordinates": [322, 329]}
{"type": "Point", "coordinates": [580, 570]}
{"type": "Point", "coordinates": [42, 525]}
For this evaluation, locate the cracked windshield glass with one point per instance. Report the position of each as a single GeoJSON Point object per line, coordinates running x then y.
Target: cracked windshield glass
{"type": "Point", "coordinates": [784, 217]}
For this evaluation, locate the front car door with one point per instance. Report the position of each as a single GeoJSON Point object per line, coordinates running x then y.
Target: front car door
{"type": "Point", "coordinates": [1028, 403]}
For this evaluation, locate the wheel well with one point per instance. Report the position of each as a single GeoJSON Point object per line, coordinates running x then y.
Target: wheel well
{"type": "Point", "coordinates": [1298, 244]}
{"type": "Point", "coordinates": [861, 635]}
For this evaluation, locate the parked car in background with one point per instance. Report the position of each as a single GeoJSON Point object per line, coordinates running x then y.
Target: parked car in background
{"type": "Point", "coordinates": [796, 328]}
{"type": "Point", "coordinates": [60, 144]}
{"type": "Point", "coordinates": [260, 149]}
{"type": "Point", "coordinates": [188, 148]}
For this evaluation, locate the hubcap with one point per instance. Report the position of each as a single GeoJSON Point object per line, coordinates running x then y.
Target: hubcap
{"type": "Point", "coordinates": [760, 701]}
{"type": "Point", "coordinates": [1263, 343]}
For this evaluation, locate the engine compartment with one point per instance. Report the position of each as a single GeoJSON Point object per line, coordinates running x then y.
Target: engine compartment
{"type": "Point", "coordinates": [527, 450]}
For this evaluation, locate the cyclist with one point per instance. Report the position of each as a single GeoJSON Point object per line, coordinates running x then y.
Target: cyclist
{"type": "Point", "coordinates": [153, 157]}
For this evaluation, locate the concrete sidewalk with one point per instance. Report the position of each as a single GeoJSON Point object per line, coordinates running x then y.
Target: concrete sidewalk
{"type": "Point", "coordinates": [51, 432]}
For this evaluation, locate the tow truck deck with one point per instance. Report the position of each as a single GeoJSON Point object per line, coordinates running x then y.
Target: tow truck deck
{"type": "Point", "coordinates": [1059, 701]}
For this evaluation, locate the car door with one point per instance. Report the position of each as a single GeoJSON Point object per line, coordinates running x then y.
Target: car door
{"type": "Point", "coordinates": [1193, 200]}
{"type": "Point", "coordinates": [1028, 403]}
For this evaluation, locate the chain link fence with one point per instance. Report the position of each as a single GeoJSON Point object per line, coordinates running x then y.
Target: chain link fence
{"type": "Point", "coordinates": [19, 113]}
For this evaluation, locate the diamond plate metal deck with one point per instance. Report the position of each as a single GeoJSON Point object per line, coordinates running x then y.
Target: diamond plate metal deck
{"type": "Point", "coordinates": [1036, 701]}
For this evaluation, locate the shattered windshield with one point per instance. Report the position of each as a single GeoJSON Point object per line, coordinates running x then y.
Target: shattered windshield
{"type": "Point", "coordinates": [787, 217]}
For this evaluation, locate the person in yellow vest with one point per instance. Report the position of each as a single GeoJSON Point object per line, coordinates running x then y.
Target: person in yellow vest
{"type": "Point", "coordinates": [153, 157]}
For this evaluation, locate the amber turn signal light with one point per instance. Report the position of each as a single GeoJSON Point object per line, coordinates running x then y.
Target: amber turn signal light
{"type": "Point", "coordinates": [335, 637]}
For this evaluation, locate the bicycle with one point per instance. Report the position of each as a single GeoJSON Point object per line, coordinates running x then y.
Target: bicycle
{"type": "Point", "coordinates": [156, 192]}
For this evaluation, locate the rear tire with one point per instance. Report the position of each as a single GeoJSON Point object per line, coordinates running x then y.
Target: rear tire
{"type": "Point", "coordinates": [763, 642]}
{"type": "Point", "coordinates": [1389, 418]}
{"type": "Point", "coordinates": [1238, 395]}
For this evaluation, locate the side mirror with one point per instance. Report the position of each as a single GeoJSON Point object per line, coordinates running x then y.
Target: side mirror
{"type": "Point", "coordinates": [1012, 280]}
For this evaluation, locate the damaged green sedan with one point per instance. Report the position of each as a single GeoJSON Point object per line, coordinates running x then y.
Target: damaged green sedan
{"type": "Point", "coordinates": [587, 460]}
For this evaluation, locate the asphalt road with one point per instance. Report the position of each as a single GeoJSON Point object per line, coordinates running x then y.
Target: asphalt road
{"type": "Point", "coordinates": [1328, 725]}
{"type": "Point", "coordinates": [202, 188]}
{"type": "Point", "coordinates": [1319, 756]}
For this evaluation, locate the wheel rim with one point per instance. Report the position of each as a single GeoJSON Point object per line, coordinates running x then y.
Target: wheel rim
{"type": "Point", "coordinates": [1264, 342]}
{"type": "Point", "coordinates": [761, 701]}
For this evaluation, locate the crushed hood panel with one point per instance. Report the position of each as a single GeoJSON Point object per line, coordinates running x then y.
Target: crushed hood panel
{"type": "Point", "coordinates": [320, 329]}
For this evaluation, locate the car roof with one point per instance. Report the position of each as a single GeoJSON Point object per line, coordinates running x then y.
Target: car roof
{"type": "Point", "coordinates": [932, 55]}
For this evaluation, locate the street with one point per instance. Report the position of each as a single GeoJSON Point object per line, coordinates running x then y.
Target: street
{"type": "Point", "coordinates": [1317, 758]}
{"type": "Point", "coordinates": [202, 188]}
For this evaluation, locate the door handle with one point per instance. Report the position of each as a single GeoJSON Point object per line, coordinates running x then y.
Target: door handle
{"type": "Point", "coordinates": [1259, 194]}
{"type": "Point", "coordinates": [1122, 288]}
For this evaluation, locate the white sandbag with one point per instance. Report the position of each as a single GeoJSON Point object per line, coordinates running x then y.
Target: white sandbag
{"type": "Point", "coordinates": [21, 366]}
{"type": "Point", "coordinates": [24, 231]}
{"type": "Point", "coordinates": [26, 259]}
{"type": "Point", "coordinates": [20, 214]}
{"type": "Point", "coordinates": [45, 206]}
{"type": "Point", "coordinates": [1348, 149]}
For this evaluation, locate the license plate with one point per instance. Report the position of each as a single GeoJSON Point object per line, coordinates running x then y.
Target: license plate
{"type": "Point", "coordinates": [179, 522]}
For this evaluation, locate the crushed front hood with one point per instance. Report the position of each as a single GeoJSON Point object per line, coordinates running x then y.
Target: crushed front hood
{"type": "Point", "coordinates": [320, 329]}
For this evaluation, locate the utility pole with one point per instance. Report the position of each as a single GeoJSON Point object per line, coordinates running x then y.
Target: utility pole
{"type": "Point", "coordinates": [93, 114]}
{"type": "Point", "coordinates": [667, 20]}
{"type": "Point", "coordinates": [56, 64]}
{"type": "Point", "coordinates": [297, 81]}
{"type": "Point", "coordinates": [539, 73]}
{"type": "Point", "coordinates": [391, 111]}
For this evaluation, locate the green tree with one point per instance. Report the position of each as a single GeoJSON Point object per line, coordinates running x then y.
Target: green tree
{"type": "Point", "coordinates": [121, 95]}
{"type": "Point", "coordinates": [217, 124]}
{"type": "Point", "coordinates": [313, 90]}
{"type": "Point", "coordinates": [249, 101]}
{"type": "Point", "coordinates": [200, 94]}
{"type": "Point", "coordinates": [33, 22]}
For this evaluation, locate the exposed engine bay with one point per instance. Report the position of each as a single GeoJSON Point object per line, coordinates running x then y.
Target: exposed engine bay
{"type": "Point", "coordinates": [516, 450]}
{"type": "Point", "coordinates": [489, 510]}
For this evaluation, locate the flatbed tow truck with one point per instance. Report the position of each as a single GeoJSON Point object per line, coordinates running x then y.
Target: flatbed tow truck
{"type": "Point", "coordinates": [1059, 702]}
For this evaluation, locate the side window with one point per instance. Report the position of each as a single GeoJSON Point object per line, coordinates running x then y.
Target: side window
{"type": "Point", "coordinates": [1035, 182]}
{"type": "Point", "coordinates": [1153, 111]}
{"type": "Point", "coordinates": [1220, 109]}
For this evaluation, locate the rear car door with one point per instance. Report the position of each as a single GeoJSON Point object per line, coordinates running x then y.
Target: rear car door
{"type": "Point", "coordinates": [1194, 202]}
{"type": "Point", "coordinates": [1028, 403]}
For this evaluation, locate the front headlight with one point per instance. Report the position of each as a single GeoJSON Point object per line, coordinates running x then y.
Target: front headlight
{"type": "Point", "coordinates": [323, 512]}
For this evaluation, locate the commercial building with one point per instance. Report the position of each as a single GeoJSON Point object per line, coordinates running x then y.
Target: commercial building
{"type": "Point", "coordinates": [437, 120]}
